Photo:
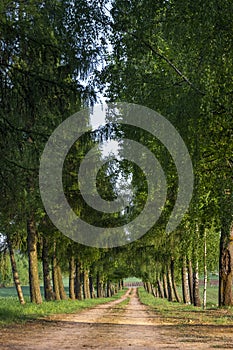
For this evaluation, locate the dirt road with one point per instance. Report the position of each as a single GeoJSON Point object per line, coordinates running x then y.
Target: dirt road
{"type": "Point", "coordinates": [111, 326]}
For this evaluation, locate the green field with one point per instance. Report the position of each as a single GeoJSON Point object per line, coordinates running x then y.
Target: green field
{"type": "Point", "coordinates": [212, 295]}
{"type": "Point", "coordinates": [11, 291]}
{"type": "Point", "coordinates": [132, 280]}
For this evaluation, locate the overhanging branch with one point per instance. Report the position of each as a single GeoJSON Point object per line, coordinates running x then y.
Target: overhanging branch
{"type": "Point", "coordinates": [166, 59]}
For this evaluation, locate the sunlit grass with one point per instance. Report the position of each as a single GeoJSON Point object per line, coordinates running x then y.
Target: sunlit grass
{"type": "Point", "coordinates": [212, 295]}
{"type": "Point", "coordinates": [12, 312]}
{"type": "Point", "coordinates": [182, 314]}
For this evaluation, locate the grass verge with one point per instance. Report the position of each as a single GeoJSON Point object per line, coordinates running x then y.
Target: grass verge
{"type": "Point", "coordinates": [182, 314]}
{"type": "Point", "coordinates": [12, 312]}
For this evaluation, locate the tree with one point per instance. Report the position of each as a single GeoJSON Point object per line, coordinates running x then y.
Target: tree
{"type": "Point", "coordinates": [48, 50]}
{"type": "Point", "coordinates": [172, 69]}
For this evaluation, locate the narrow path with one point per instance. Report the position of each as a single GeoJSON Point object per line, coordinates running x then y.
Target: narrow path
{"type": "Point", "coordinates": [107, 326]}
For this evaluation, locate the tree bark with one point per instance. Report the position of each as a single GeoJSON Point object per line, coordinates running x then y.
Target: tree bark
{"type": "Point", "coordinates": [205, 273]}
{"type": "Point", "coordinates": [165, 289]}
{"type": "Point", "coordinates": [86, 289]}
{"type": "Point", "coordinates": [119, 285]}
{"type": "Point", "coordinates": [226, 267]}
{"type": "Point", "coordinates": [72, 278]}
{"type": "Point", "coordinates": [99, 286]}
{"type": "Point", "coordinates": [61, 284]}
{"type": "Point", "coordinates": [48, 291]}
{"type": "Point", "coordinates": [174, 281]}
{"type": "Point", "coordinates": [91, 286]}
{"type": "Point", "coordinates": [34, 282]}
{"type": "Point", "coordinates": [160, 289]}
{"type": "Point", "coordinates": [108, 290]}
{"type": "Point", "coordinates": [15, 272]}
{"type": "Point", "coordinates": [190, 280]}
{"type": "Point", "coordinates": [185, 285]}
{"type": "Point", "coordinates": [196, 292]}
{"type": "Point", "coordinates": [78, 282]}
{"type": "Point", "coordinates": [55, 275]}
{"type": "Point", "coordinates": [154, 290]}
{"type": "Point", "coordinates": [169, 285]}
{"type": "Point", "coordinates": [148, 287]}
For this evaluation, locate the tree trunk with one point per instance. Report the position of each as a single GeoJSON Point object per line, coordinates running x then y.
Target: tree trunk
{"type": "Point", "coordinates": [151, 288]}
{"type": "Point", "coordinates": [165, 290]}
{"type": "Point", "coordinates": [119, 285]}
{"type": "Point", "coordinates": [60, 284]}
{"type": "Point", "coordinates": [78, 282]}
{"type": "Point", "coordinates": [91, 287]}
{"type": "Point", "coordinates": [185, 285]}
{"type": "Point", "coordinates": [226, 267]}
{"type": "Point", "coordinates": [190, 280]}
{"type": "Point", "coordinates": [55, 275]}
{"type": "Point", "coordinates": [108, 291]}
{"type": "Point", "coordinates": [205, 272]}
{"type": "Point", "coordinates": [148, 287]}
{"type": "Point", "coordinates": [34, 282]}
{"type": "Point", "coordinates": [154, 290]}
{"type": "Point", "coordinates": [98, 284]}
{"type": "Point", "coordinates": [160, 289]}
{"type": "Point", "coordinates": [174, 282]}
{"type": "Point", "coordinates": [102, 287]}
{"type": "Point", "coordinates": [48, 291]}
{"type": "Point", "coordinates": [169, 286]}
{"type": "Point", "coordinates": [111, 289]}
{"type": "Point", "coordinates": [196, 292]}
{"type": "Point", "coordinates": [15, 272]}
{"type": "Point", "coordinates": [86, 289]}
{"type": "Point", "coordinates": [71, 278]}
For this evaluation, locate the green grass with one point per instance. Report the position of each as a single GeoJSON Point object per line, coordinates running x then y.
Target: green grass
{"type": "Point", "coordinates": [212, 295]}
{"type": "Point", "coordinates": [12, 312]}
{"type": "Point", "coordinates": [182, 314]}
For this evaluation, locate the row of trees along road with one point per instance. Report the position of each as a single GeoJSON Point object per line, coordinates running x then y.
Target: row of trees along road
{"type": "Point", "coordinates": [174, 57]}
{"type": "Point", "coordinates": [48, 51]}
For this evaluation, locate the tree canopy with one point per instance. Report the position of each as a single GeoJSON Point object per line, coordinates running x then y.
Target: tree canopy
{"type": "Point", "coordinates": [174, 57]}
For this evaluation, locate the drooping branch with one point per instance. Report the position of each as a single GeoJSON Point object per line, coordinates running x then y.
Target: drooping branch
{"type": "Point", "coordinates": [19, 165]}
{"type": "Point", "coordinates": [168, 61]}
{"type": "Point", "coordinates": [161, 56]}
{"type": "Point", "coordinates": [13, 127]}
